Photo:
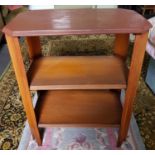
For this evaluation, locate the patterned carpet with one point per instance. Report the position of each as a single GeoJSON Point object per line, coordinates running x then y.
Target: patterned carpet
{"type": "Point", "coordinates": [85, 139]}
{"type": "Point", "coordinates": [12, 115]}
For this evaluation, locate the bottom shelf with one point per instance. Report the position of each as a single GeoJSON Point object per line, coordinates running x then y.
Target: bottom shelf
{"type": "Point", "coordinates": [76, 108]}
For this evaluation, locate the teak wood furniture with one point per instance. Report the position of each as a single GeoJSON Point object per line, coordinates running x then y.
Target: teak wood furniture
{"type": "Point", "coordinates": [79, 91]}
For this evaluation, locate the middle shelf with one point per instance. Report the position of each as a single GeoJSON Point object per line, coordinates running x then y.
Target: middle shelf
{"type": "Point", "coordinates": [77, 72]}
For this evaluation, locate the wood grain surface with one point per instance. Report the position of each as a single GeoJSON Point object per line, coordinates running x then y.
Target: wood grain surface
{"type": "Point", "coordinates": [73, 21]}
{"type": "Point", "coordinates": [76, 108]}
{"type": "Point", "coordinates": [77, 72]}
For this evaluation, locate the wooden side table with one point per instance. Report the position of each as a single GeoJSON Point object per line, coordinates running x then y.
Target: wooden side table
{"type": "Point", "coordinates": [79, 91]}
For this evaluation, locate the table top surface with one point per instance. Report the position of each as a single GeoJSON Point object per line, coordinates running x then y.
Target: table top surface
{"type": "Point", "coordinates": [77, 21]}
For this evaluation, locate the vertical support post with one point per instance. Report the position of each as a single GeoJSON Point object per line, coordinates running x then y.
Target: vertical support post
{"type": "Point", "coordinates": [121, 45]}
{"type": "Point", "coordinates": [34, 47]}
{"type": "Point", "coordinates": [134, 74]}
{"type": "Point", "coordinates": [17, 61]}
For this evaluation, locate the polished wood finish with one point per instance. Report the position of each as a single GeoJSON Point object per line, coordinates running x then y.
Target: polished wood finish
{"type": "Point", "coordinates": [83, 21]}
{"type": "Point", "coordinates": [17, 61]}
{"type": "Point", "coordinates": [81, 100]}
{"type": "Point", "coordinates": [79, 108]}
{"type": "Point", "coordinates": [121, 45]}
{"type": "Point", "coordinates": [80, 72]}
{"type": "Point", "coordinates": [34, 47]}
{"type": "Point", "coordinates": [134, 74]}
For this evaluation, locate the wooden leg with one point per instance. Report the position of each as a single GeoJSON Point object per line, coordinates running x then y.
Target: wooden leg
{"type": "Point", "coordinates": [17, 61]}
{"type": "Point", "coordinates": [34, 47]}
{"type": "Point", "coordinates": [134, 74]}
{"type": "Point", "coordinates": [121, 45]}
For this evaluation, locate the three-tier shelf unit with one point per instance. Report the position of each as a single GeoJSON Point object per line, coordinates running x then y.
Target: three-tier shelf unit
{"type": "Point", "coordinates": [78, 91]}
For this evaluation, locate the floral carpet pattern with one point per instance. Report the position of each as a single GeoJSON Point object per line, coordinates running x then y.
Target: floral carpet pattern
{"type": "Point", "coordinates": [12, 115]}
{"type": "Point", "coordinates": [81, 139]}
